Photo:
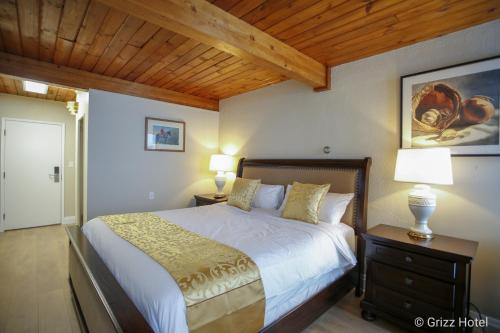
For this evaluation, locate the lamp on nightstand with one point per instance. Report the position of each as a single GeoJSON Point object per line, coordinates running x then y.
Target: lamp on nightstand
{"type": "Point", "coordinates": [220, 163]}
{"type": "Point", "coordinates": [423, 166]}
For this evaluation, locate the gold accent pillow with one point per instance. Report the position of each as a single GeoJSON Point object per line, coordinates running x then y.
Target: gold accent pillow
{"type": "Point", "coordinates": [304, 202]}
{"type": "Point", "coordinates": [243, 192]}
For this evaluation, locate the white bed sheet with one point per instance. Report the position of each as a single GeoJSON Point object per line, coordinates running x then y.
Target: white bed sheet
{"type": "Point", "coordinates": [289, 254]}
{"type": "Point", "coordinates": [277, 306]}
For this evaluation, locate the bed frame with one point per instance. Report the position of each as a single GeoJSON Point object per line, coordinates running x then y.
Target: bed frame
{"type": "Point", "coordinates": [103, 306]}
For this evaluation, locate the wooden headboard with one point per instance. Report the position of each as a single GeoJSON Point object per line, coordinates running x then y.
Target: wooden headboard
{"type": "Point", "coordinates": [345, 176]}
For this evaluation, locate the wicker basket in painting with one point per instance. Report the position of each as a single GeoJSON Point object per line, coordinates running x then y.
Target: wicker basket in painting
{"type": "Point", "coordinates": [435, 107]}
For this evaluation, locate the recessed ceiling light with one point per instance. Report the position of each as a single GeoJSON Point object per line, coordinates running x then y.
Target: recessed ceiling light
{"type": "Point", "coordinates": [35, 87]}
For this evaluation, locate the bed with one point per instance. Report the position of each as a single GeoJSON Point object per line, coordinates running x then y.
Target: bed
{"type": "Point", "coordinates": [117, 288]}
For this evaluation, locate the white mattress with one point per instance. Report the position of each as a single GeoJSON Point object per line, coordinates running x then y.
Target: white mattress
{"type": "Point", "coordinates": [295, 259]}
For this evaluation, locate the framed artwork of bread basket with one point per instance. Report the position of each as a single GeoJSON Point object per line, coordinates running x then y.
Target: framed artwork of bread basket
{"type": "Point", "coordinates": [455, 107]}
{"type": "Point", "coordinates": [165, 135]}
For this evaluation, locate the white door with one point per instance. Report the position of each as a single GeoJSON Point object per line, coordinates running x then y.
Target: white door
{"type": "Point", "coordinates": [32, 166]}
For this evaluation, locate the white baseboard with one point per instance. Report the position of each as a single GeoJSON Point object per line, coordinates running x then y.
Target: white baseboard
{"type": "Point", "coordinates": [69, 220]}
{"type": "Point", "coordinates": [493, 323]}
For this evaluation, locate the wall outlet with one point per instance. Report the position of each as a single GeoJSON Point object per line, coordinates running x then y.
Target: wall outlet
{"type": "Point", "coordinates": [151, 195]}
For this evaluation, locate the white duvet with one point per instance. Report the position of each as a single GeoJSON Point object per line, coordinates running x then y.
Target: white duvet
{"type": "Point", "coordinates": [288, 254]}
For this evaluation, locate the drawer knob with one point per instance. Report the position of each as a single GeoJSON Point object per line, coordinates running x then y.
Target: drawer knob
{"type": "Point", "coordinates": [407, 305]}
{"type": "Point", "coordinates": [408, 281]}
{"type": "Point", "coordinates": [409, 259]}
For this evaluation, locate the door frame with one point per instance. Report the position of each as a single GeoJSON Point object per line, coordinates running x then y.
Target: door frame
{"type": "Point", "coordinates": [2, 163]}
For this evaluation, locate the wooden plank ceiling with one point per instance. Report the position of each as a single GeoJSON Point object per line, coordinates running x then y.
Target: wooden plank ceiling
{"type": "Point", "coordinates": [14, 86]}
{"type": "Point", "coordinates": [90, 36]}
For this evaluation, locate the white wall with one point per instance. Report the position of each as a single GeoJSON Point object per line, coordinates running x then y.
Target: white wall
{"type": "Point", "coordinates": [360, 117]}
{"type": "Point", "coordinates": [80, 157]}
{"type": "Point", "coordinates": [13, 106]}
{"type": "Point", "coordinates": [121, 173]}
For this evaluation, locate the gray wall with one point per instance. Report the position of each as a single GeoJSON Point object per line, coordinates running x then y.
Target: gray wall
{"type": "Point", "coordinates": [13, 106]}
{"type": "Point", "coordinates": [360, 117]}
{"type": "Point", "coordinates": [121, 173]}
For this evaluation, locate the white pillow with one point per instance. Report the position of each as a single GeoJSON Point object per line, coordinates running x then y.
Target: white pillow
{"type": "Point", "coordinates": [268, 196]}
{"type": "Point", "coordinates": [283, 203]}
{"type": "Point", "coordinates": [333, 207]}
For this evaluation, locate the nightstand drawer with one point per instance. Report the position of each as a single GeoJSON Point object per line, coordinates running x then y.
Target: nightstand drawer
{"type": "Point", "coordinates": [412, 261]}
{"type": "Point", "coordinates": [415, 285]}
{"type": "Point", "coordinates": [405, 306]}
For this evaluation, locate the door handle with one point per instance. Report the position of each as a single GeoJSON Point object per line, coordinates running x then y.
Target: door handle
{"type": "Point", "coordinates": [56, 176]}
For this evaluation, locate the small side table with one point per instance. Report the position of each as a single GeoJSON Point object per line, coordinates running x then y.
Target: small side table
{"type": "Point", "coordinates": [208, 199]}
{"type": "Point", "coordinates": [409, 280]}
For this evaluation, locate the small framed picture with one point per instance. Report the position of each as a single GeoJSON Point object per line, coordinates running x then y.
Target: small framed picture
{"type": "Point", "coordinates": [455, 107]}
{"type": "Point", "coordinates": [165, 135]}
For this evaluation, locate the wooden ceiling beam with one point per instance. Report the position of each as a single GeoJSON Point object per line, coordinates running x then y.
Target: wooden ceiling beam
{"type": "Point", "coordinates": [42, 71]}
{"type": "Point", "coordinates": [210, 25]}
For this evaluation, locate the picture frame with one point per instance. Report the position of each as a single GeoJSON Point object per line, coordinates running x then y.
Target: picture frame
{"type": "Point", "coordinates": [164, 135]}
{"type": "Point", "coordinates": [455, 107]}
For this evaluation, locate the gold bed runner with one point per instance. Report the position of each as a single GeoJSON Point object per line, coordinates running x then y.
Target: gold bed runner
{"type": "Point", "coordinates": [221, 285]}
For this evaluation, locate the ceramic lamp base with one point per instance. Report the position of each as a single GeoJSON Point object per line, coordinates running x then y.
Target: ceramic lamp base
{"type": "Point", "coordinates": [422, 203]}
{"type": "Point", "coordinates": [418, 236]}
{"type": "Point", "coordinates": [220, 181]}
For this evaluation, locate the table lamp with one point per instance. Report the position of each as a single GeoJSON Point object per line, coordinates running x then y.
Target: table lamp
{"type": "Point", "coordinates": [220, 163]}
{"type": "Point", "coordinates": [423, 166]}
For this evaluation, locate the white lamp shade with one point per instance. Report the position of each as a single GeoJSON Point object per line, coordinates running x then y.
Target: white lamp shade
{"type": "Point", "coordinates": [427, 166]}
{"type": "Point", "coordinates": [220, 162]}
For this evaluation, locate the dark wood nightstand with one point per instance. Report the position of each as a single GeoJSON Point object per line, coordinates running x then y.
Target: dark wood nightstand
{"type": "Point", "coordinates": [208, 199]}
{"type": "Point", "coordinates": [408, 278]}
